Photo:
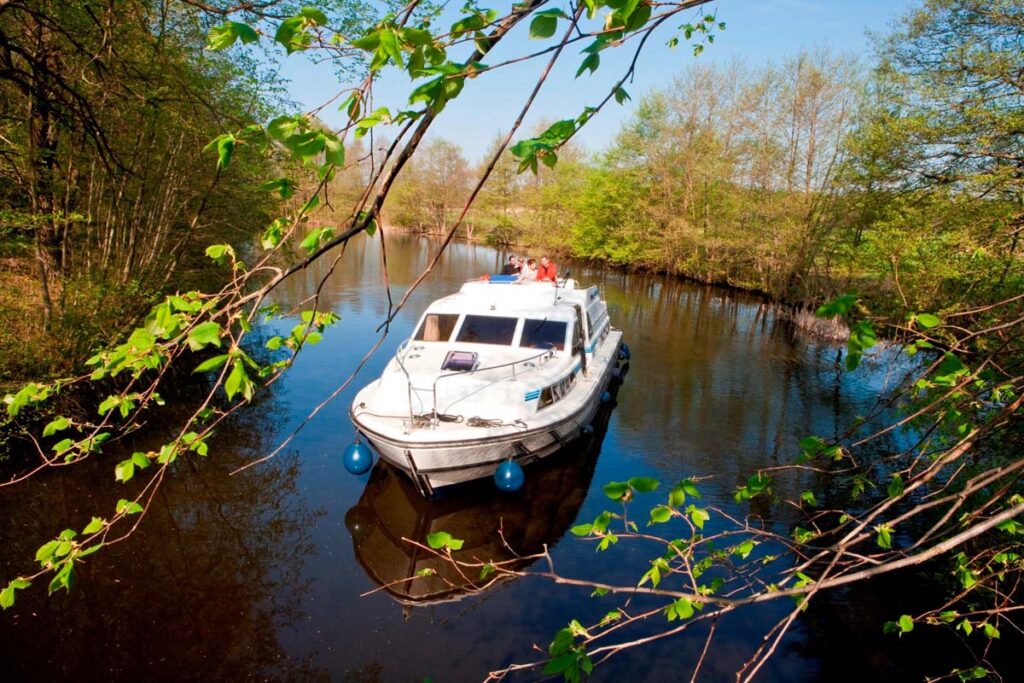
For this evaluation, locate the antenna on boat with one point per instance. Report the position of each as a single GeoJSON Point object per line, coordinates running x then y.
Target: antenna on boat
{"type": "Point", "coordinates": [567, 274]}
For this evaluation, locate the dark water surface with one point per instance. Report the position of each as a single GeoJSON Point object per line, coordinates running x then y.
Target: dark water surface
{"type": "Point", "coordinates": [259, 575]}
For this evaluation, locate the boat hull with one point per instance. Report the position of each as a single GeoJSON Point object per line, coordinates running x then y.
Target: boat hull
{"type": "Point", "coordinates": [435, 464]}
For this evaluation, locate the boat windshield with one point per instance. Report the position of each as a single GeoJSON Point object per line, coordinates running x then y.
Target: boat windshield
{"type": "Point", "coordinates": [487, 329]}
{"type": "Point", "coordinates": [437, 327]}
{"type": "Point", "coordinates": [543, 334]}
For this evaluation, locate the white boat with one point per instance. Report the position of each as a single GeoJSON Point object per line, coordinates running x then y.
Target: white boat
{"type": "Point", "coordinates": [497, 371]}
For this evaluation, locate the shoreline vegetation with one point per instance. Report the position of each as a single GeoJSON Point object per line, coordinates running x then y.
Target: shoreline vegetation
{"type": "Point", "coordinates": [797, 181]}
{"type": "Point", "coordinates": [107, 201]}
{"type": "Point", "coordinates": [143, 152]}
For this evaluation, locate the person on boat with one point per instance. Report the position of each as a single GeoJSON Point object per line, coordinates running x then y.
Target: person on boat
{"type": "Point", "coordinates": [512, 267]}
{"type": "Point", "coordinates": [547, 271]}
{"type": "Point", "coordinates": [529, 273]}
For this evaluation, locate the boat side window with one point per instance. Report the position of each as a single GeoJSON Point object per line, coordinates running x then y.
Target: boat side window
{"type": "Point", "coordinates": [487, 329]}
{"type": "Point", "coordinates": [543, 334]}
{"type": "Point", "coordinates": [437, 327]}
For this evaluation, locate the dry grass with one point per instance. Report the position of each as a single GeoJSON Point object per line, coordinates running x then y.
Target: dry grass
{"type": "Point", "coordinates": [828, 329]}
{"type": "Point", "coordinates": [26, 349]}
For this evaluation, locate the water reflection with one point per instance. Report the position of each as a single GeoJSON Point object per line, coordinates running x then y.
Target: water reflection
{"type": "Point", "coordinates": [201, 591]}
{"type": "Point", "coordinates": [254, 576]}
{"type": "Point", "coordinates": [495, 526]}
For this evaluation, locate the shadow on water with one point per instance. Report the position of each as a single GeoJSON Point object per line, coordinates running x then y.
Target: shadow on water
{"type": "Point", "coordinates": [495, 526]}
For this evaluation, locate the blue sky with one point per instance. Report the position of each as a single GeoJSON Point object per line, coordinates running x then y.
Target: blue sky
{"type": "Point", "coordinates": [758, 31]}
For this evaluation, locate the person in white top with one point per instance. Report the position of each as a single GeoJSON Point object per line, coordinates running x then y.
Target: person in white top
{"type": "Point", "coordinates": [529, 272]}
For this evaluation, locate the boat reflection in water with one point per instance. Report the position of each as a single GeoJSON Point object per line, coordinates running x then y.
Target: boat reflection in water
{"type": "Point", "coordinates": [391, 509]}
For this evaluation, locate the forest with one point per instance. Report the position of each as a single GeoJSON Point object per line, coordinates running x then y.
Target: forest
{"type": "Point", "coordinates": [158, 188]}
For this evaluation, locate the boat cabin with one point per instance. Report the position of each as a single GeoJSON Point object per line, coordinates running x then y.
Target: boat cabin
{"type": "Point", "coordinates": [526, 316]}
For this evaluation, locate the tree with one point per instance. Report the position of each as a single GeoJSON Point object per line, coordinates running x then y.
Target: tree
{"type": "Point", "coordinates": [954, 478]}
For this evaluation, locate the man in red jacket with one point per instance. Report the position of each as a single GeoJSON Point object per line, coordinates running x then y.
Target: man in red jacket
{"type": "Point", "coordinates": [547, 271]}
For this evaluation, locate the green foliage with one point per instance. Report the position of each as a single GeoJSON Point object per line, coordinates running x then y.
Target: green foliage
{"type": "Point", "coordinates": [442, 540]}
{"type": "Point", "coordinates": [567, 657]}
{"type": "Point", "coordinates": [545, 22]}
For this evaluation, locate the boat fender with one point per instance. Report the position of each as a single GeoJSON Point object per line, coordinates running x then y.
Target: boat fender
{"type": "Point", "coordinates": [509, 476]}
{"type": "Point", "coordinates": [588, 429]}
{"type": "Point", "coordinates": [606, 396]}
{"type": "Point", "coordinates": [358, 459]}
{"type": "Point", "coordinates": [624, 352]}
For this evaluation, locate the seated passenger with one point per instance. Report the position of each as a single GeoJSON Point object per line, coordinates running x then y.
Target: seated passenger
{"type": "Point", "coordinates": [529, 273]}
{"type": "Point", "coordinates": [547, 271]}
{"type": "Point", "coordinates": [512, 267]}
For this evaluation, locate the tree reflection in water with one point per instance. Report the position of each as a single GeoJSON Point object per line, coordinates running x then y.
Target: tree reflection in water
{"type": "Point", "coordinates": [203, 591]}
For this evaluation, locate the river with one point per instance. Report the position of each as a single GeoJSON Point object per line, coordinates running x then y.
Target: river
{"type": "Point", "coordinates": [261, 575]}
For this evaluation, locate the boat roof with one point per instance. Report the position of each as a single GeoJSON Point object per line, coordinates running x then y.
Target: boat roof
{"type": "Point", "coordinates": [515, 299]}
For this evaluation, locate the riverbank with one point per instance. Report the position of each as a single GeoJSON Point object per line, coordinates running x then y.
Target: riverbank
{"type": "Point", "coordinates": [799, 312]}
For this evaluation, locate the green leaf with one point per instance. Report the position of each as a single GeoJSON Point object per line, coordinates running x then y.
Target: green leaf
{"type": "Point", "coordinates": [840, 306]}
{"type": "Point", "coordinates": [283, 127]}
{"type": "Point", "coordinates": [621, 96]}
{"type": "Point", "coordinates": [443, 539]}
{"type": "Point", "coordinates": [292, 35]}
{"type": "Point", "coordinates": [64, 578]}
{"type": "Point", "coordinates": [204, 334]}
{"type": "Point", "coordinates": [615, 489]}
{"type": "Point", "coordinates": [224, 35]}
{"type": "Point", "coordinates": [370, 42]}
{"type": "Point", "coordinates": [698, 516]}
{"type": "Point", "coordinates": [680, 609]}
{"type": "Point", "coordinates": [744, 549]}
{"type": "Point", "coordinates": [285, 187]}
{"type": "Point", "coordinates": [225, 148]}
{"type": "Point", "coordinates": [884, 539]}
{"type": "Point", "coordinates": [643, 484]}
{"type": "Point", "coordinates": [127, 507]}
{"type": "Point", "coordinates": [896, 486]}
{"type": "Point", "coordinates": [7, 595]}
{"type": "Point", "coordinates": [545, 23]}
{"type": "Point", "coordinates": [57, 425]}
{"type": "Point", "coordinates": [906, 623]}
{"type": "Point", "coordinates": [238, 381]}
{"type": "Point", "coordinates": [315, 237]}
{"type": "Point", "coordinates": [660, 515]}
{"type": "Point", "coordinates": [334, 151]}
{"type": "Point", "coordinates": [927, 320]}
{"type": "Point", "coordinates": [219, 251]}
{"type": "Point", "coordinates": [390, 47]}
{"type": "Point", "coordinates": [124, 470]}
{"type": "Point", "coordinates": [212, 363]}
{"type": "Point", "coordinates": [46, 552]}
{"type": "Point", "coordinates": [582, 529]}
{"type": "Point", "coordinates": [314, 15]}
{"type": "Point", "coordinates": [591, 62]}
{"type": "Point", "coordinates": [95, 525]}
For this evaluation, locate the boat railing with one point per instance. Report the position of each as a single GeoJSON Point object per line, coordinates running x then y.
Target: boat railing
{"type": "Point", "coordinates": [546, 354]}
{"type": "Point", "coordinates": [408, 378]}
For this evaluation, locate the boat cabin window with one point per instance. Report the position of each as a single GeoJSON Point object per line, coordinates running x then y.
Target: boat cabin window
{"type": "Point", "coordinates": [437, 327]}
{"type": "Point", "coordinates": [487, 329]}
{"type": "Point", "coordinates": [543, 334]}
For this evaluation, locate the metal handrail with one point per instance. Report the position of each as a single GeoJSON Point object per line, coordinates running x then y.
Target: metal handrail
{"type": "Point", "coordinates": [549, 353]}
{"type": "Point", "coordinates": [408, 377]}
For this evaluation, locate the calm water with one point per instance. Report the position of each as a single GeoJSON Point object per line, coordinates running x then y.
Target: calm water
{"type": "Point", "coordinates": [260, 575]}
